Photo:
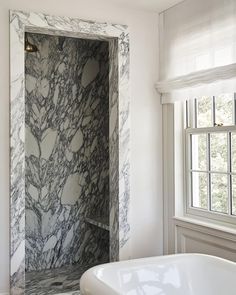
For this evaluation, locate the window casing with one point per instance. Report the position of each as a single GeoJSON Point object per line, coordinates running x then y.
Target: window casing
{"type": "Point", "coordinates": [210, 158]}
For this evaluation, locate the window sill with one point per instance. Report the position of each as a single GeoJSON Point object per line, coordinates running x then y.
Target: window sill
{"type": "Point", "coordinates": [208, 227]}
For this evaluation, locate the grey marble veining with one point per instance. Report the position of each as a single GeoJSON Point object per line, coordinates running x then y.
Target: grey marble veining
{"type": "Point", "coordinates": [114, 152]}
{"type": "Point", "coordinates": [62, 280]}
{"type": "Point", "coordinates": [118, 38]}
{"type": "Point", "coordinates": [99, 221]}
{"type": "Point", "coordinates": [67, 150]}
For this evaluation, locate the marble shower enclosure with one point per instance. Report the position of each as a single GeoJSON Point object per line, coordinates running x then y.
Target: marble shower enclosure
{"type": "Point", "coordinates": [67, 151]}
{"type": "Point", "coordinates": [119, 134]}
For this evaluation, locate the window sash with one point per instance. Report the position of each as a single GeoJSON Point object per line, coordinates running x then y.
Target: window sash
{"type": "Point", "coordinates": [191, 110]}
{"type": "Point", "coordinates": [206, 213]}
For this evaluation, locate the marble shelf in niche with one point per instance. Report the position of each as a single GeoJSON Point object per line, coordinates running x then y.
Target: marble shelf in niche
{"type": "Point", "coordinates": [99, 221]}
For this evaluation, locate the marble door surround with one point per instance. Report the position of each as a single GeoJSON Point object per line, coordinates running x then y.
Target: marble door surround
{"type": "Point", "coordinates": [119, 133]}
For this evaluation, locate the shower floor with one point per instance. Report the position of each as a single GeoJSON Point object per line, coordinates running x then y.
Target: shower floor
{"type": "Point", "coordinates": [64, 280]}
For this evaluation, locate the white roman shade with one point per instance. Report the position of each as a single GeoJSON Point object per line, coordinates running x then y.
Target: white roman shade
{"type": "Point", "coordinates": [198, 49]}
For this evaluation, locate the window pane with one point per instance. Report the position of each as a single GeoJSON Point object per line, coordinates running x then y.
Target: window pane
{"type": "Point", "coordinates": [199, 190]}
{"type": "Point", "coordinates": [219, 193]}
{"type": "Point", "coordinates": [204, 113]}
{"type": "Point", "coordinates": [224, 109]}
{"type": "Point", "coordinates": [233, 151]}
{"type": "Point", "coordinates": [218, 152]}
{"type": "Point", "coordinates": [234, 195]}
{"type": "Point", "coordinates": [199, 152]}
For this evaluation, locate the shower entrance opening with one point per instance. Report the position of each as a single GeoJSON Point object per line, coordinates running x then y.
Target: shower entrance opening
{"type": "Point", "coordinates": [66, 160]}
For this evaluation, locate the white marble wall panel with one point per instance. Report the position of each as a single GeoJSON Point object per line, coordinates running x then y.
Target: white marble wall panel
{"type": "Point", "coordinates": [118, 37]}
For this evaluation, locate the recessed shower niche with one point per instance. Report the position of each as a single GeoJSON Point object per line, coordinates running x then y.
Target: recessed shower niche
{"type": "Point", "coordinates": [66, 160]}
{"type": "Point", "coordinates": [69, 157]}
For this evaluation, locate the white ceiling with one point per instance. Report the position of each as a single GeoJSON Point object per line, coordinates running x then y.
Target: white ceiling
{"type": "Point", "coordinates": [150, 5]}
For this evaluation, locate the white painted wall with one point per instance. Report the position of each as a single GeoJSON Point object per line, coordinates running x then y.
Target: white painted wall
{"type": "Point", "coordinates": [146, 121]}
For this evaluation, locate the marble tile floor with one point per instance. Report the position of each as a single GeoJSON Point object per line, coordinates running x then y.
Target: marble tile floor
{"type": "Point", "coordinates": [70, 293]}
{"type": "Point", "coordinates": [59, 281]}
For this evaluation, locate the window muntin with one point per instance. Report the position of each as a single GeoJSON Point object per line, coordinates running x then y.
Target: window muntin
{"type": "Point", "coordinates": [233, 194]}
{"type": "Point", "coordinates": [211, 156]}
{"type": "Point", "coordinates": [233, 151]}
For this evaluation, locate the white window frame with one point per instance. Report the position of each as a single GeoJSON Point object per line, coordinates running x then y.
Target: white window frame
{"type": "Point", "coordinates": [189, 210]}
{"type": "Point", "coordinates": [176, 212]}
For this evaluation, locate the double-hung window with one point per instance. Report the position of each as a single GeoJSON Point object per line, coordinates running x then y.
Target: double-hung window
{"type": "Point", "coordinates": [197, 86]}
{"type": "Point", "coordinates": [210, 138]}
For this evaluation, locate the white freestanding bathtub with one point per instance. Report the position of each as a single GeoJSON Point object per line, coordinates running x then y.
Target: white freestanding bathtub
{"type": "Point", "coordinates": [182, 274]}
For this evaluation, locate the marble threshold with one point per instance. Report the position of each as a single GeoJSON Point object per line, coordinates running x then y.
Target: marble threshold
{"type": "Point", "coordinates": [70, 293]}
{"type": "Point", "coordinates": [64, 280]}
